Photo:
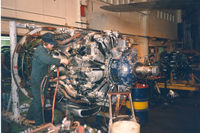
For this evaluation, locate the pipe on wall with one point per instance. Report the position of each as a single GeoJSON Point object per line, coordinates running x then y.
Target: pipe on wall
{"type": "Point", "coordinates": [14, 93]}
{"type": "Point", "coordinates": [144, 32]}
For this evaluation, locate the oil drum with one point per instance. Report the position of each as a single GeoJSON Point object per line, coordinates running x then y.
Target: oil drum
{"type": "Point", "coordinates": [140, 102]}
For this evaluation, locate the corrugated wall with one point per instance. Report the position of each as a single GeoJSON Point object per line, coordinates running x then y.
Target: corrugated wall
{"type": "Point", "coordinates": [163, 25]}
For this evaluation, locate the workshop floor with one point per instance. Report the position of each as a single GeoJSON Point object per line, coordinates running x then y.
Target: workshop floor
{"type": "Point", "coordinates": [181, 116]}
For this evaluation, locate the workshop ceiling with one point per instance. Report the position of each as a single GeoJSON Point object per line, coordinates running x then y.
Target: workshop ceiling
{"type": "Point", "coordinates": [154, 5]}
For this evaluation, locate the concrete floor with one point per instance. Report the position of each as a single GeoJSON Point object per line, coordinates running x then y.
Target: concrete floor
{"type": "Point", "coordinates": [181, 116]}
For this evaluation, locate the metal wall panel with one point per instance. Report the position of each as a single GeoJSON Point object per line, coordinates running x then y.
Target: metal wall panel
{"type": "Point", "coordinates": [59, 12]}
{"type": "Point", "coordinates": [34, 6]}
{"type": "Point", "coordinates": [54, 7]}
{"type": "Point", "coordinates": [8, 3]}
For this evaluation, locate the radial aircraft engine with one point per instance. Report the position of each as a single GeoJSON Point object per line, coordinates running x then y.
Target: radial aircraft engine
{"type": "Point", "coordinates": [100, 62]}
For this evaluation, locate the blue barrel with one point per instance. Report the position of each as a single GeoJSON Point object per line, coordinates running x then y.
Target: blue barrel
{"type": "Point", "coordinates": [140, 102]}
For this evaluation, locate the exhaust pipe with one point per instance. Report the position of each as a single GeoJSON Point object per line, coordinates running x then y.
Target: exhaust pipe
{"type": "Point", "coordinates": [79, 110]}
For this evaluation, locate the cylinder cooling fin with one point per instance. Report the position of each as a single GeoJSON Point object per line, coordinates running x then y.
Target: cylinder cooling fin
{"type": "Point", "coordinates": [99, 62]}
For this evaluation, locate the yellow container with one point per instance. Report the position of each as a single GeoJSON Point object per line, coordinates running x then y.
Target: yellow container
{"type": "Point", "coordinates": [138, 105]}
